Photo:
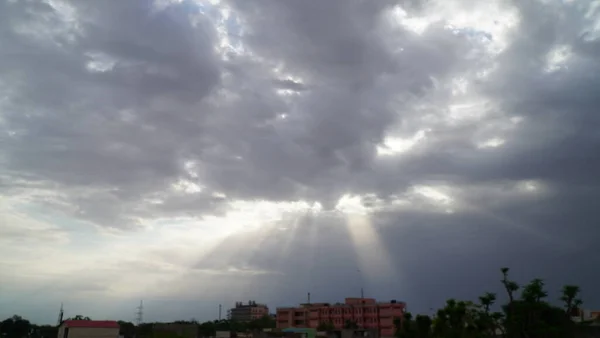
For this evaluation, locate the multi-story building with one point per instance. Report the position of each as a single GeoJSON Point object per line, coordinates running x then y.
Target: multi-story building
{"type": "Point", "coordinates": [364, 312]}
{"type": "Point", "coordinates": [247, 312]}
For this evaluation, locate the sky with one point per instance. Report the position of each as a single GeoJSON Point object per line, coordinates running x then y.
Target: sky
{"type": "Point", "coordinates": [196, 153]}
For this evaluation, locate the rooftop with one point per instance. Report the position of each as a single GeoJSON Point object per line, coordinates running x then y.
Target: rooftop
{"type": "Point", "coordinates": [100, 324]}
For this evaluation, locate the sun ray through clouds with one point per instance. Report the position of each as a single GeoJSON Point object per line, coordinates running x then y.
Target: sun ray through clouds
{"type": "Point", "coordinates": [374, 262]}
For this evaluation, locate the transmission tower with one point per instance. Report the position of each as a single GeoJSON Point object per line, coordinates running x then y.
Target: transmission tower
{"type": "Point", "coordinates": [140, 313]}
{"type": "Point", "coordinates": [60, 315]}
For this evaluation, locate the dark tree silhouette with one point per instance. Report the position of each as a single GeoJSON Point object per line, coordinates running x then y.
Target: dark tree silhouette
{"type": "Point", "coordinates": [527, 315]}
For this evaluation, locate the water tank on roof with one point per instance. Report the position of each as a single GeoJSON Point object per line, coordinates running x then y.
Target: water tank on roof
{"type": "Point", "coordinates": [393, 301]}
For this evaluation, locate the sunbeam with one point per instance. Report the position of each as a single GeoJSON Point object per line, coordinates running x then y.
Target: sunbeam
{"type": "Point", "coordinates": [373, 259]}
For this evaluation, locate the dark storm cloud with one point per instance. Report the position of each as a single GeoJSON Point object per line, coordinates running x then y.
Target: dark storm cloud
{"type": "Point", "coordinates": [122, 130]}
{"type": "Point", "coordinates": [358, 84]}
{"type": "Point", "coordinates": [554, 143]}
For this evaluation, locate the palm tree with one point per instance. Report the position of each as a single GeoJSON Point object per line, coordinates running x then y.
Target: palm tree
{"type": "Point", "coordinates": [534, 291]}
{"type": "Point", "coordinates": [510, 286]}
{"type": "Point", "coordinates": [487, 300]}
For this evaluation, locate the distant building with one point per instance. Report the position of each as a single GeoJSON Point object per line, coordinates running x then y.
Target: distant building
{"type": "Point", "coordinates": [247, 312]}
{"type": "Point", "coordinates": [366, 313]}
{"type": "Point", "coordinates": [88, 329]}
{"type": "Point", "coordinates": [579, 315]}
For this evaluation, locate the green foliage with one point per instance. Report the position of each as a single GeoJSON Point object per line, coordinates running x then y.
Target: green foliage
{"type": "Point", "coordinates": [350, 325]}
{"type": "Point", "coordinates": [208, 329]}
{"type": "Point", "coordinates": [15, 327]}
{"type": "Point", "coordinates": [126, 329]}
{"type": "Point", "coordinates": [326, 326]}
{"type": "Point", "coordinates": [525, 315]}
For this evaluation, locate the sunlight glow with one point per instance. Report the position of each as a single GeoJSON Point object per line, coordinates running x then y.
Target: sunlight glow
{"type": "Point", "coordinates": [530, 186]}
{"type": "Point", "coordinates": [99, 63]}
{"type": "Point", "coordinates": [494, 142]}
{"type": "Point", "coordinates": [415, 24]}
{"type": "Point", "coordinates": [557, 58]}
{"type": "Point", "coordinates": [187, 186]}
{"type": "Point", "coordinates": [472, 20]}
{"type": "Point", "coordinates": [433, 194]}
{"type": "Point", "coordinates": [436, 195]}
{"type": "Point", "coordinates": [393, 145]}
{"type": "Point", "coordinates": [349, 204]}
{"type": "Point", "coordinates": [467, 111]}
{"type": "Point", "coordinates": [251, 215]}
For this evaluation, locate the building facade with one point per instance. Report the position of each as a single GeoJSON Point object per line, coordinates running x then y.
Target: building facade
{"type": "Point", "coordinates": [248, 312]}
{"type": "Point", "coordinates": [366, 313]}
{"type": "Point", "coordinates": [88, 329]}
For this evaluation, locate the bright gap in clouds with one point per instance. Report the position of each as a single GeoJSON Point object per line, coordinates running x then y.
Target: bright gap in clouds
{"type": "Point", "coordinates": [393, 146]}
{"type": "Point", "coordinates": [491, 143]}
{"type": "Point", "coordinates": [494, 19]}
{"type": "Point", "coordinates": [557, 58]}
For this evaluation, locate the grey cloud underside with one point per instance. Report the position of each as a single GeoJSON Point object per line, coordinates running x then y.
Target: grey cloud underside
{"type": "Point", "coordinates": [108, 142]}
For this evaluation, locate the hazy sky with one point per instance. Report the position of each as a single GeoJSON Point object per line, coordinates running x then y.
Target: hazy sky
{"type": "Point", "coordinates": [192, 153]}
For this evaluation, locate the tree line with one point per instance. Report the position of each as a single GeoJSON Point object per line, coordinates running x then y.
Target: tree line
{"type": "Point", "coordinates": [19, 327]}
{"type": "Point", "coordinates": [526, 314]}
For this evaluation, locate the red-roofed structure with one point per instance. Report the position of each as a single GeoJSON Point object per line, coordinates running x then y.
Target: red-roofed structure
{"type": "Point", "coordinates": [88, 329]}
{"type": "Point", "coordinates": [107, 324]}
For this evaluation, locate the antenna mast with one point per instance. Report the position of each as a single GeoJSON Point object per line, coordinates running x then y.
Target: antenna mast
{"type": "Point", "coordinates": [60, 315]}
{"type": "Point", "coordinates": [140, 313]}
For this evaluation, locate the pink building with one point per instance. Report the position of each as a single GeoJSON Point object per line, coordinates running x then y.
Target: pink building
{"type": "Point", "coordinates": [365, 312]}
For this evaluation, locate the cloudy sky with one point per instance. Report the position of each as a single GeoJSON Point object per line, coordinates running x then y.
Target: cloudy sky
{"type": "Point", "coordinates": [194, 153]}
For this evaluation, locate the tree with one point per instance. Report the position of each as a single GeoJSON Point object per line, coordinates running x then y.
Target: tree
{"type": "Point", "coordinates": [126, 329]}
{"type": "Point", "coordinates": [326, 326]}
{"type": "Point", "coordinates": [265, 322]}
{"type": "Point", "coordinates": [569, 297]}
{"type": "Point", "coordinates": [423, 326]}
{"type": "Point", "coordinates": [15, 327]}
{"type": "Point", "coordinates": [487, 300]}
{"type": "Point", "coordinates": [534, 291]}
{"type": "Point", "coordinates": [350, 325]}
{"type": "Point", "coordinates": [80, 317]}
{"type": "Point", "coordinates": [525, 315]}
{"type": "Point", "coordinates": [510, 286]}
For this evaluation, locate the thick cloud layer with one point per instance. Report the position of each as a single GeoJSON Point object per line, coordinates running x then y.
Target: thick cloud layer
{"type": "Point", "coordinates": [194, 153]}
